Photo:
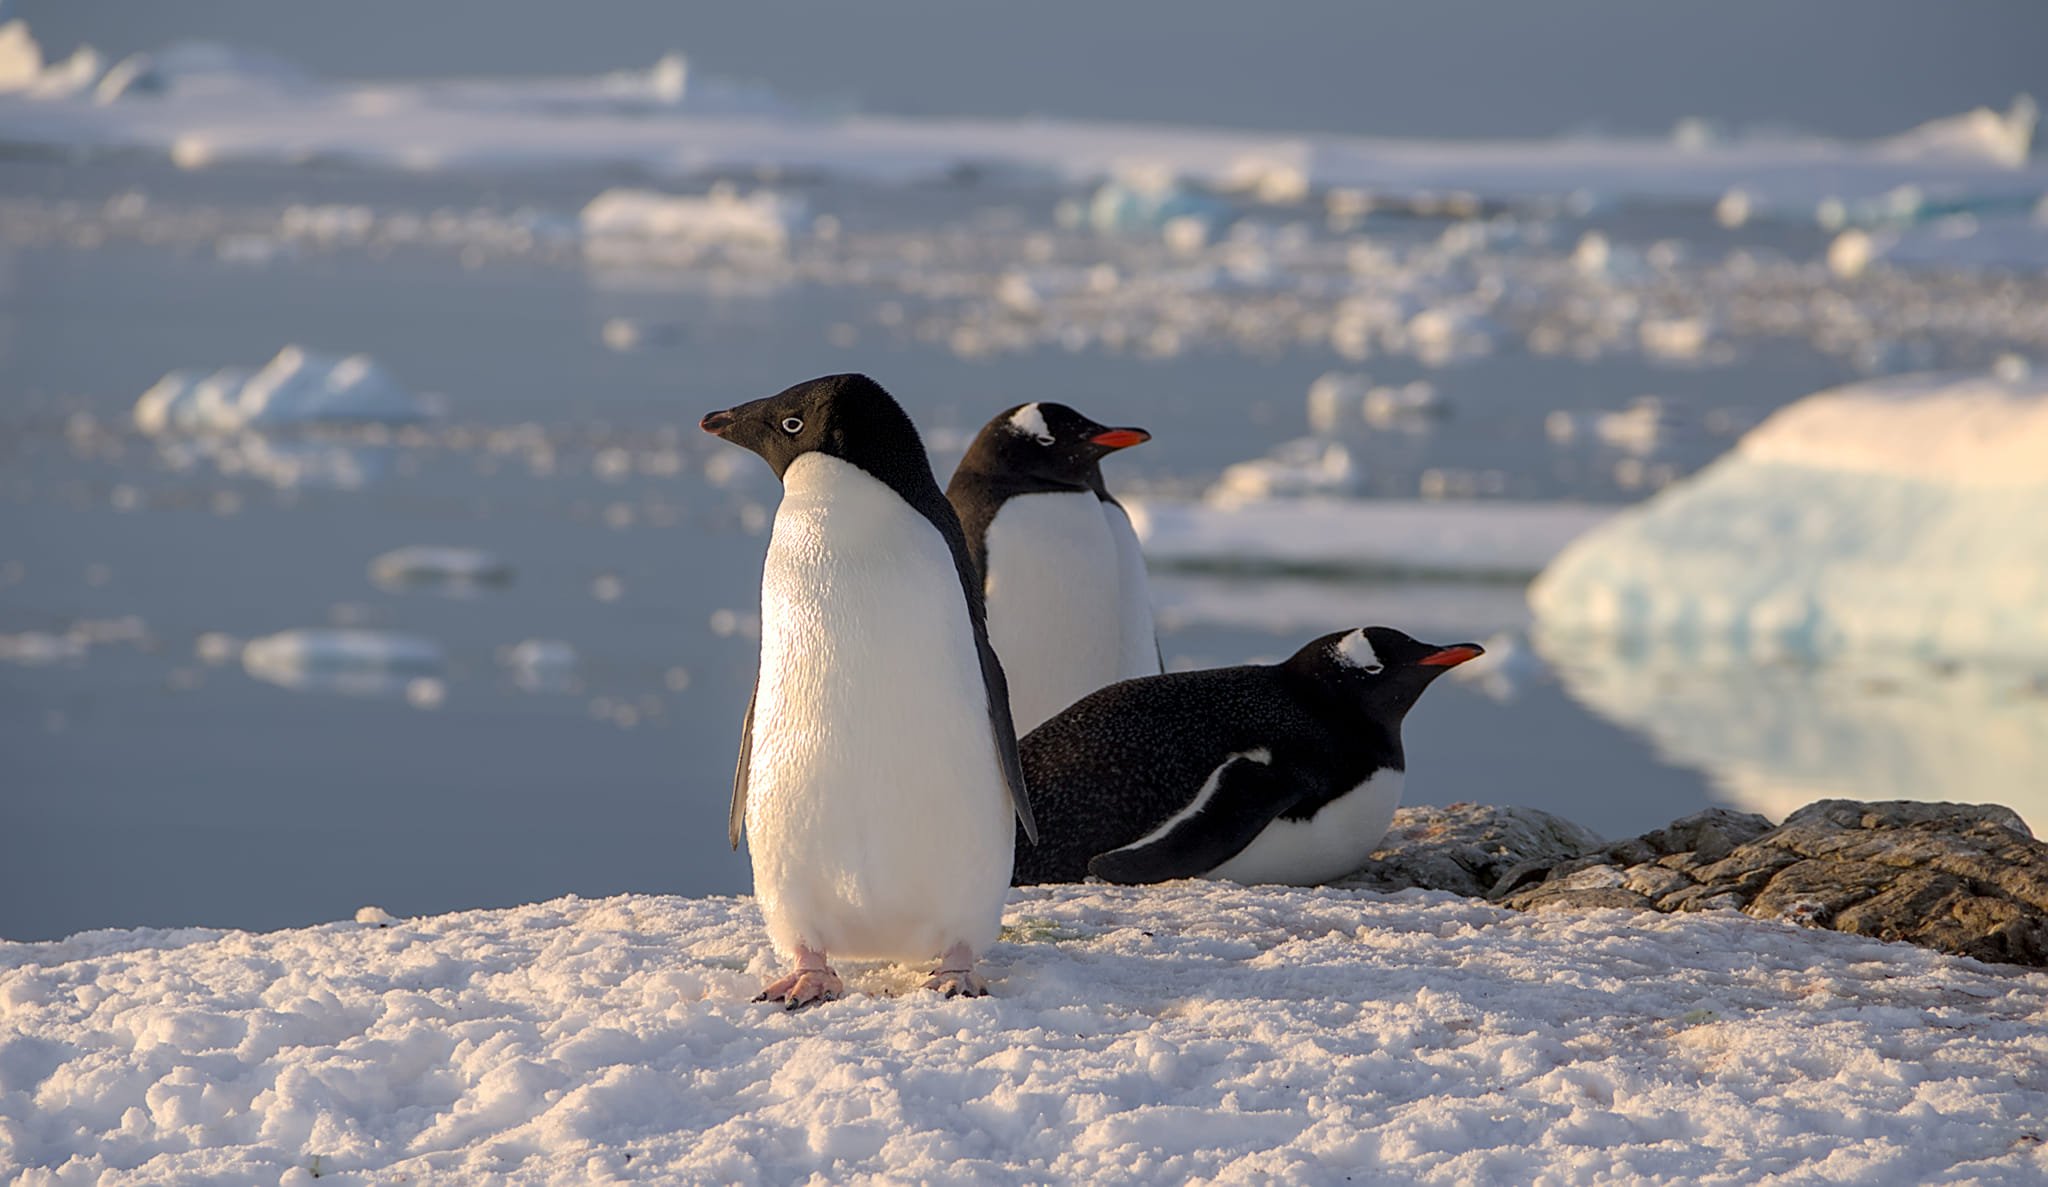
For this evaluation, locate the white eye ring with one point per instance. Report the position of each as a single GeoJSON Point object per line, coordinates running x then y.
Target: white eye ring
{"type": "Point", "coordinates": [1045, 438]}
{"type": "Point", "coordinates": [1374, 669]}
{"type": "Point", "coordinates": [792, 424]}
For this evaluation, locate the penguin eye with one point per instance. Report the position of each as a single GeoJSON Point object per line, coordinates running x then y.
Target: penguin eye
{"type": "Point", "coordinates": [792, 425]}
{"type": "Point", "coordinates": [1044, 438]}
{"type": "Point", "coordinates": [1373, 669]}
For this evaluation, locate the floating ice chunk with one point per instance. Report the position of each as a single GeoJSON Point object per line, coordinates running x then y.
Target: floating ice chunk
{"type": "Point", "coordinates": [1679, 339]}
{"type": "Point", "coordinates": [38, 648]}
{"type": "Point", "coordinates": [763, 220]}
{"type": "Point", "coordinates": [1411, 405]}
{"type": "Point", "coordinates": [199, 68]}
{"type": "Point", "coordinates": [1481, 538]}
{"type": "Point", "coordinates": [1334, 398]}
{"type": "Point", "coordinates": [1148, 200]}
{"type": "Point", "coordinates": [301, 387]}
{"type": "Point", "coordinates": [542, 665]}
{"type": "Point", "coordinates": [354, 661]}
{"type": "Point", "coordinates": [1304, 466]}
{"type": "Point", "coordinates": [1734, 208]}
{"type": "Point", "coordinates": [1908, 514]}
{"type": "Point", "coordinates": [1980, 134]}
{"type": "Point", "coordinates": [427, 565]}
{"type": "Point", "coordinates": [23, 69]}
{"type": "Point", "coordinates": [296, 387]}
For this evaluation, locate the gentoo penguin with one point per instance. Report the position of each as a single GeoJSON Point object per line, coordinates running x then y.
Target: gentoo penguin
{"type": "Point", "coordinates": [1068, 608]}
{"type": "Point", "coordinates": [878, 768]}
{"type": "Point", "coordinates": [1287, 772]}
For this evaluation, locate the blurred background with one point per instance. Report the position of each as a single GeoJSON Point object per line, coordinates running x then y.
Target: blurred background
{"type": "Point", "coordinates": [357, 545]}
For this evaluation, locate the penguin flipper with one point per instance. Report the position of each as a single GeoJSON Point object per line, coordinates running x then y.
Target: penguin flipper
{"type": "Point", "coordinates": [1004, 728]}
{"type": "Point", "coordinates": [1239, 799]}
{"type": "Point", "coordinates": [736, 816]}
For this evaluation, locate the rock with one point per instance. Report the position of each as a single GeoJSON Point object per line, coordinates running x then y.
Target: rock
{"type": "Point", "coordinates": [1967, 879]}
{"type": "Point", "coordinates": [1468, 848]}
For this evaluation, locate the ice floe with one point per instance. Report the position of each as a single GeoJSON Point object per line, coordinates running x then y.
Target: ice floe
{"type": "Point", "coordinates": [1906, 515]}
{"type": "Point", "coordinates": [1176, 1033]}
{"type": "Point", "coordinates": [542, 665]}
{"type": "Point", "coordinates": [640, 221]}
{"type": "Point", "coordinates": [431, 566]}
{"type": "Point", "coordinates": [348, 660]}
{"type": "Point", "coordinates": [1491, 539]}
{"type": "Point", "coordinates": [297, 387]}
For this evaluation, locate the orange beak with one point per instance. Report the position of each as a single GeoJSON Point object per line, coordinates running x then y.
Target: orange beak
{"type": "Point", "coordinates": [1451, 657]}
{"type": "Point", "coordinates": [1121, 438]}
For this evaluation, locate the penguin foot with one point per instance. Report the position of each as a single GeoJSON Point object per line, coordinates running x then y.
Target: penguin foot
{"type": "Point", "coordinates": [811, 983]}
{"type": "Point", "coordinates": [955, 976]}
{"type": "Point", "coordinates": [958, 983]}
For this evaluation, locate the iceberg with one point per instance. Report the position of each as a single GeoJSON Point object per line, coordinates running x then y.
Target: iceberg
{"type": "Point", "coordinates": [297, 387]}
{"type": "Point", "coordinates": [1906, 515]}
{"type": "Point", "coordinates": [451, 569]}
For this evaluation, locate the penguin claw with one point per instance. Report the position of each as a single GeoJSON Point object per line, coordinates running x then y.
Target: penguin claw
{"type": "Point", "coordinates": [958, 983]}
{"type": "Point", "coordinates": [804, 987]}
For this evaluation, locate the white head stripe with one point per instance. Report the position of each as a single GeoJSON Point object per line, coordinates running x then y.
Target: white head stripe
{"type": "Point", "coordinates": [1029, 421]}
{"type": "Point", "coordinates": [1355, 649]}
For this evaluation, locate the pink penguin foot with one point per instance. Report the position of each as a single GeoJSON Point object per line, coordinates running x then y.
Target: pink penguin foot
{"type": "Point", "coordinates": [955, 976]}
{"type": "Point", "coordinates": [811, 983]}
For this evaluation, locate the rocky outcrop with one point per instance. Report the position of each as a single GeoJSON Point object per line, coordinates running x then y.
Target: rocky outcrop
{"type": "Point", "coordinates": [1961, 878]}
{"type": "Point", "coordinates": [1469, 848]}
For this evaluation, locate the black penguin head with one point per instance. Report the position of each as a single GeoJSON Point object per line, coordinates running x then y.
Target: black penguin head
{"type": "Point", "coordinates": [1047, 446]}
{"type": "Point", "coordinates": [847, 416]}
{"type": "Point", "coordinates": [1377, 667]}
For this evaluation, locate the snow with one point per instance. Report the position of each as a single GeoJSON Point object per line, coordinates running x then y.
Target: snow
{"type": "Point", "coordinates": [1904, 515]}
{"type": "Point", "coordinates": [1191, 1031]}
{"type": "Point", "coordinates": [355, 661]}
{"type": "Point", "coordinates": [1496, 539]}
{"type": "Point", "coordinates": [297, 387]}
{"type": "Point", "coordinates": [666, 122]}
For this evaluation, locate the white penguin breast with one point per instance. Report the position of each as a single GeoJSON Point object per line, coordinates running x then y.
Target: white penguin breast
{"type": "Point", "coordinates": [1054, 601]}
{"type": "Point", "coordinates": [876, 815]}
{"type": "Point", "coordinates": [1139, 636]}
{"type": "Point", "coordinates": [1330, 844]}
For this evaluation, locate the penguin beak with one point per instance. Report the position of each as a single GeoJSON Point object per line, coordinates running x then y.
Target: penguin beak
{"type": "Point", "coordinates": [717, 423]}
{"type": "Point", "coordinates": [1452, 656]}
{"type": "Point", "coordinates": [1120, 438]}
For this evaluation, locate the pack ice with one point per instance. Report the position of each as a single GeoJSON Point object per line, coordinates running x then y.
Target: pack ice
{"type": "Point", "coordinates": [1905, 516]}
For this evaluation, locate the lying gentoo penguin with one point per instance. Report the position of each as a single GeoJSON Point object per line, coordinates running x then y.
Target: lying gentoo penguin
{"type": "Point", "coordinates": [878, 767]}
{"type": "Point", "coordinates": [1287, 772]}
{"type": "Point", "coordinates": [1068, 607]}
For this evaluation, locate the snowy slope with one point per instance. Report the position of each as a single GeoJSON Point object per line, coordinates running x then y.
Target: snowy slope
{"type": "Point", "coordinates": [1186, 1032]}
{"type": "Point", "coordinates": [1907, 515]}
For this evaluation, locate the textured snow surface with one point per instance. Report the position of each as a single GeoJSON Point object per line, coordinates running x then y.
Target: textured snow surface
{"type": "Point", "coordinates": [1185, 1032]}
{"type": "Point", "coordinates": [1907, 514]}
{"type": "Point", "coordinates": [1489, 539]}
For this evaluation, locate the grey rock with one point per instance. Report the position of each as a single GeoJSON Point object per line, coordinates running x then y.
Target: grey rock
{"type": "Point", "coordinates": [1468, 848]}
{"type": "Point", "coordinates": [1962, 878]}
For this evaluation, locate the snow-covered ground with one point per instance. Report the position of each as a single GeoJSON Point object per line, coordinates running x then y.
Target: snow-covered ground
{"type": "Point", "coordinates": [1191, 1032]}
{"type": "Point", "coordinates": [207, 104]}
{"type": "Point", "coordinates": [1905, 515]}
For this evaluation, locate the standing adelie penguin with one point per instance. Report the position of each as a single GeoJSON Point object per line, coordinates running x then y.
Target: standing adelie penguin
{"type": "Point", "coordinates": [878, 767]}
{"type": "Point", "coordinates": [1287, 772]}
{"type": "Point", "coordinates": [1068, 607]}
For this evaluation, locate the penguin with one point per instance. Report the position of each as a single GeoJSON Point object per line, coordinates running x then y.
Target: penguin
{"type": "Point", "coordinates": [1285, 772]}
{"type": "Point", "coordinates": [1068, 606]}
{"type": "Point", "coordinates": [878, 771]}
